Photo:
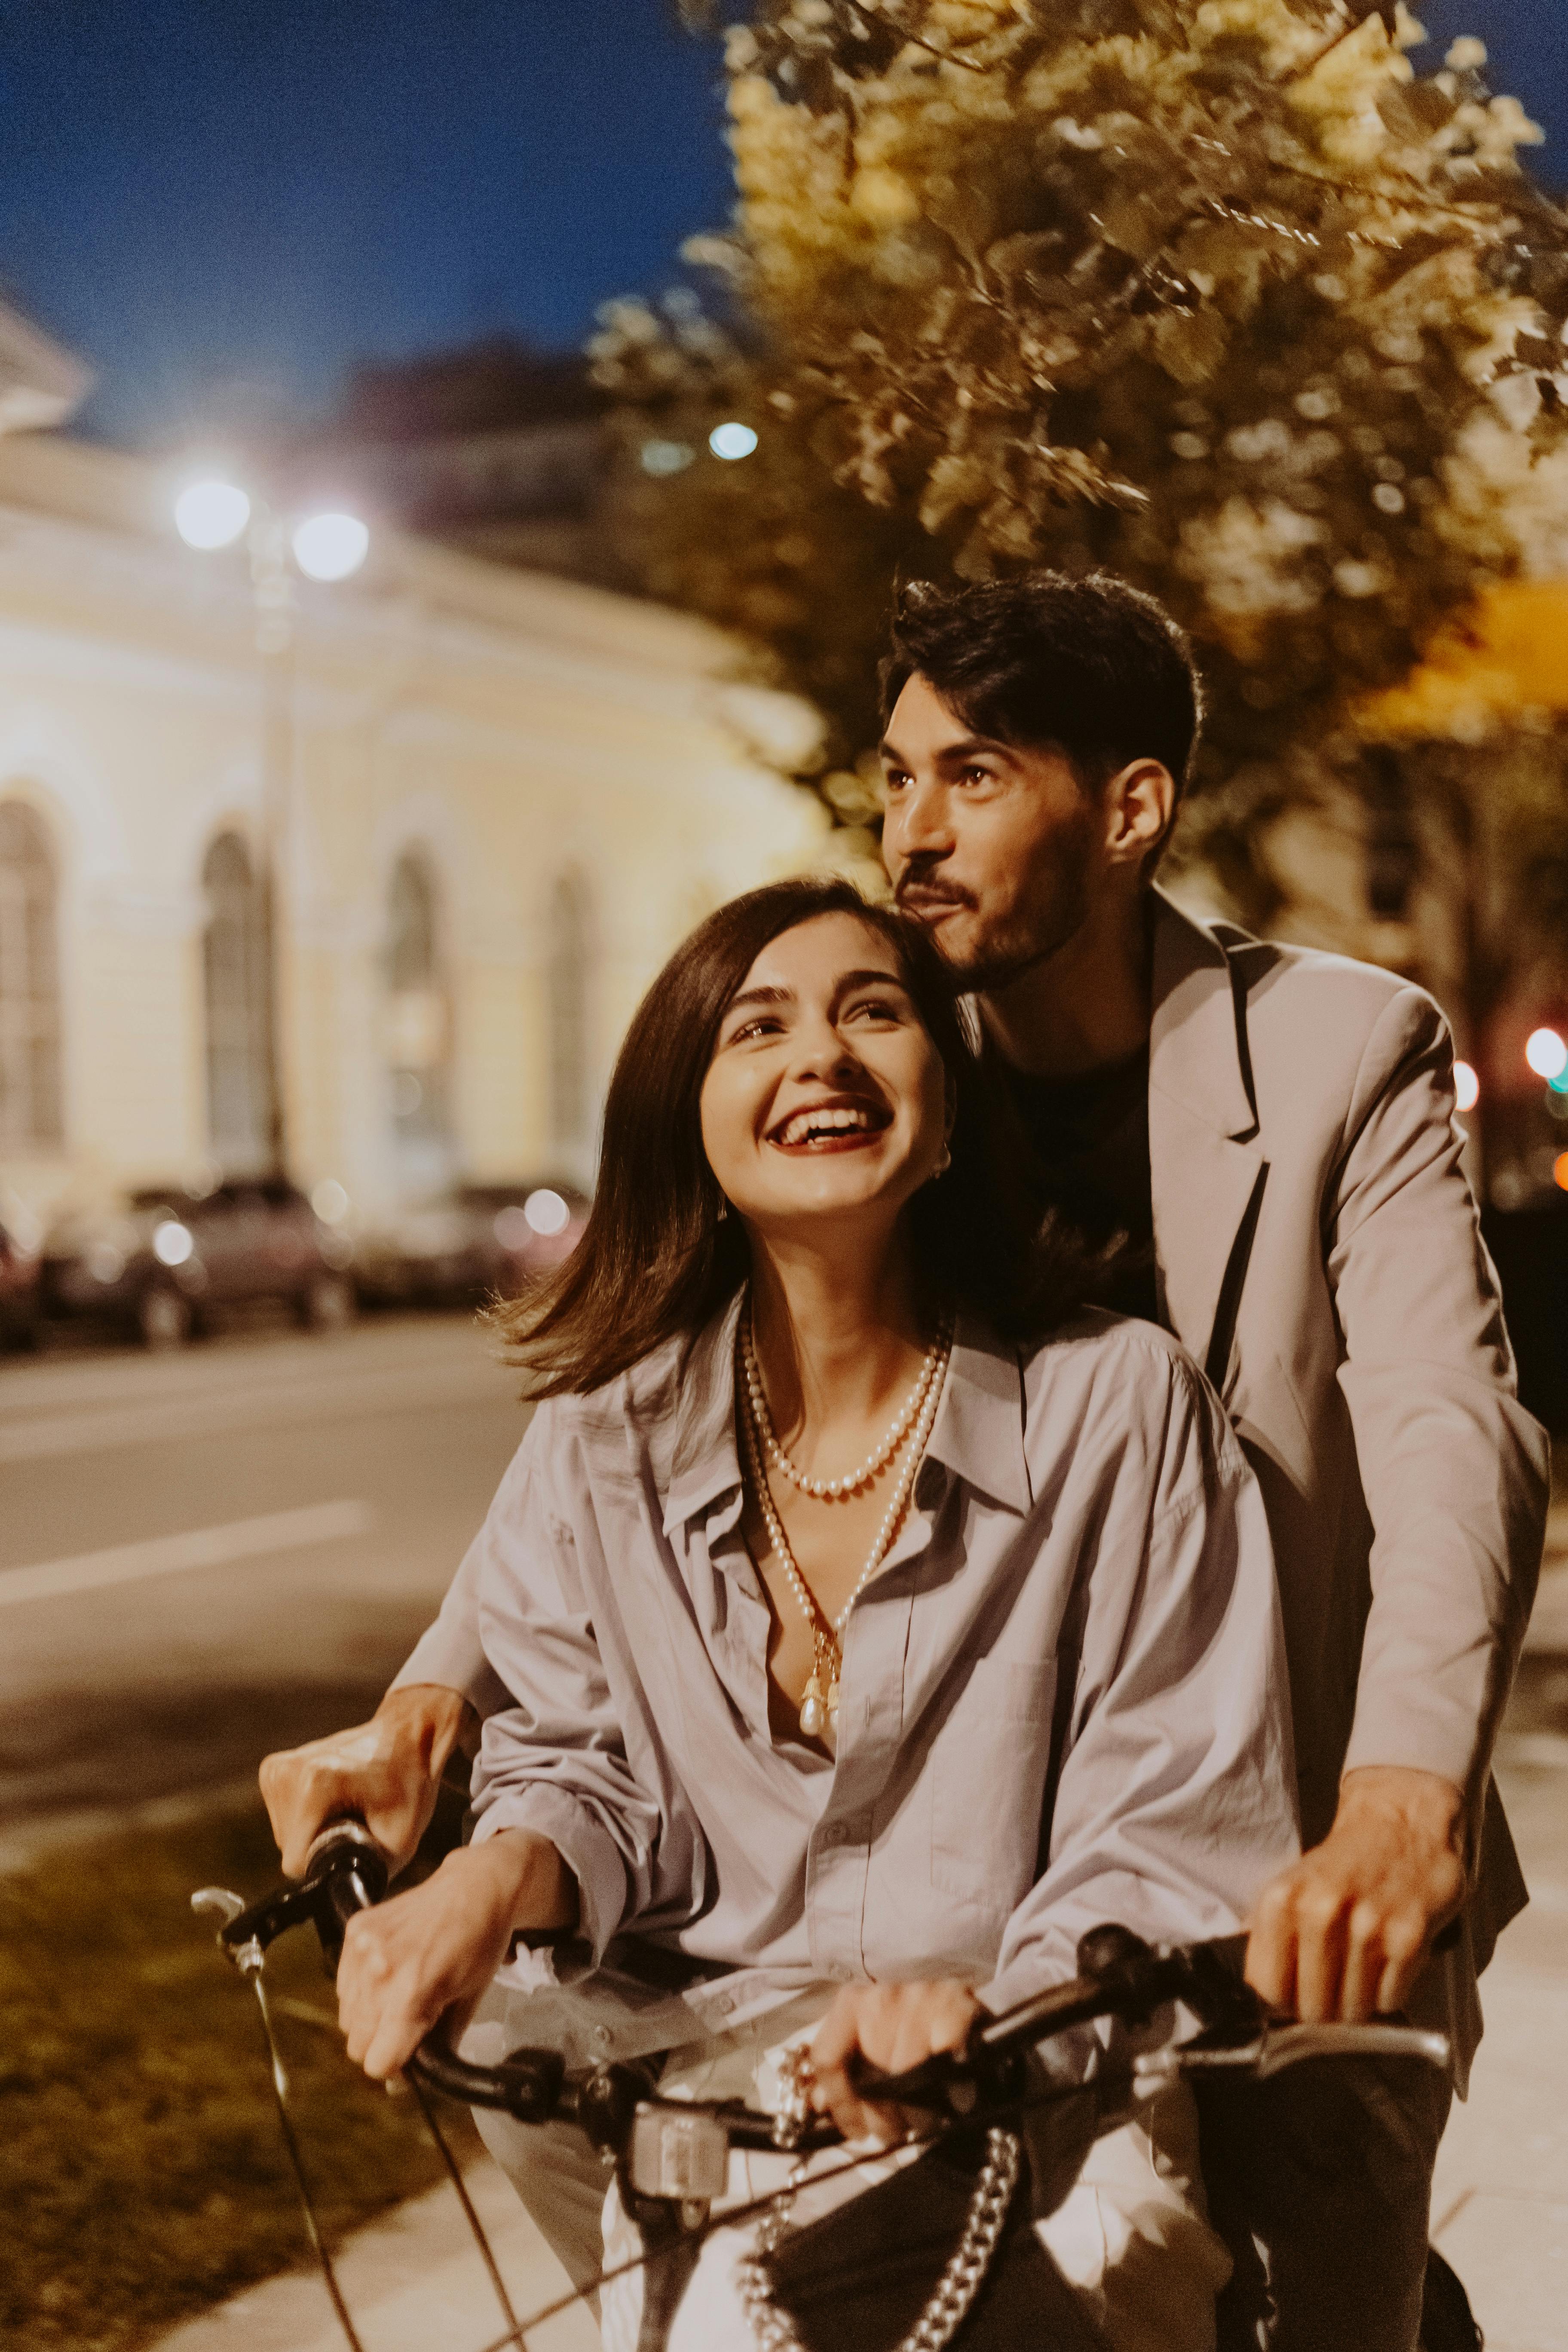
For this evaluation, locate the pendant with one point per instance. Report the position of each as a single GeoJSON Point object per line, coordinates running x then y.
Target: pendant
{"type": "Point", "coordinates": [813, 1714]}
{"type": "Point", "coordinates": [833, 1702]}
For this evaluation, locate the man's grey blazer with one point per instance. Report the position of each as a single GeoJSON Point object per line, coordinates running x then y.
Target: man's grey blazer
{"type": "Point", "coordinates": [1320, 1254]}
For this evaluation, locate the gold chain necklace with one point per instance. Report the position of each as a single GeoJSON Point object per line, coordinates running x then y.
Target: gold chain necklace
{"type": "Point", "coordinates": [819, 1703]}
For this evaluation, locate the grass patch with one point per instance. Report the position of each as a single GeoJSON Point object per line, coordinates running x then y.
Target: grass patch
{"type": "Point", "coordinates": [143, 2175]}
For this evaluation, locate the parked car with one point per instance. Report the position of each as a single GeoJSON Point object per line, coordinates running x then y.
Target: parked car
{"type": "Point", "coordinates": [470, 1242]}
{"type": "Point", "coordinates": [170, 1261]}
{"type": "Point", "coordinates": [18, 1291]}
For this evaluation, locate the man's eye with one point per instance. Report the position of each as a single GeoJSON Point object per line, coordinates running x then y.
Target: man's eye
{"type": "Point", "coordinates": [975, 775]}
{"type": "Point", "coordinates": [895, 779]}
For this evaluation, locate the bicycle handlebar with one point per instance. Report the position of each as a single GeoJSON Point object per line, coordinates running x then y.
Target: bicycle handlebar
{"type": "Point", "coordinates": [617, 2106]}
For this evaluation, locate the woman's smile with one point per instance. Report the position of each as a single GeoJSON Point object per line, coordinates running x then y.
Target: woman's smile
{"type": "Point", "coordinates": [832, 1125]}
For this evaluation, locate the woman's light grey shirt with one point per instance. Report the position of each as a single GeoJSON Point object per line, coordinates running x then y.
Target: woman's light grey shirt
{"type": "Point", "coordinates": [1063, 1695]}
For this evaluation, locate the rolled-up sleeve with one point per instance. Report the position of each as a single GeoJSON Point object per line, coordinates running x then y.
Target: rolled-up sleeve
{"type": "Point", "coordinates": [450, 1652]}
{"type": "Point", "coordinates": [1175, 1794]}
{"type": "Point", "coordinates": [553, 1758]}
{"type": "Point", "coordinates": [1455, 1471]}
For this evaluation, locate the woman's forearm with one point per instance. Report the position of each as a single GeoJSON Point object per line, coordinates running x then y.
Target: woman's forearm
{"type": "Point", "coordinates": [529, 1881]}
{"type": "Point", "coordinates": [408, 1962]}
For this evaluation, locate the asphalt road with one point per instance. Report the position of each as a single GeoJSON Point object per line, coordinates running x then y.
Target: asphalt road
{"type": "Point", "coordinates": [208, 1555]}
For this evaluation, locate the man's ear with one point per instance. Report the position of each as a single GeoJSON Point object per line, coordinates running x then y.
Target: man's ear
{"type": "Point", "coordinates": [1140, 806]}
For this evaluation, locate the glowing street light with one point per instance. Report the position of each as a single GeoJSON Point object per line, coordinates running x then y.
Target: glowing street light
{"type": "Point", "coordinates": [1546, 1054]}
{"type": "Point", "coordinates": [211, 514]}
{"type": "Point", "coordinates": [732, 441]}
{"type": "Point", "coordinates": [330, 546]}
{"type": "Point", "coordinates": [1466, 1086]}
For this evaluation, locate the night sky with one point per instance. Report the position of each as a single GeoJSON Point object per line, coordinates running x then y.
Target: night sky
{"type": "Point", "coordinates": [200, 194]}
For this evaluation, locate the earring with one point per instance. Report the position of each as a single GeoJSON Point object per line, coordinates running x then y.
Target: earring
{"type": "Point", "coordinates": [944, 1163]}
{"type": "Point", "coordinates": [723, 1209]}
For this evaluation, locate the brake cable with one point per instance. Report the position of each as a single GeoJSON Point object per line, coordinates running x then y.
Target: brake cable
{"type": "Point", "coordinates": [250, 1961]}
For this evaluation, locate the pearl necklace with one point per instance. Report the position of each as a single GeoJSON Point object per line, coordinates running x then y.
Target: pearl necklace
{"type": "Point", "coordinates": [855, 1479]}
{"type": "Point", "coordinates": [819, 1701]}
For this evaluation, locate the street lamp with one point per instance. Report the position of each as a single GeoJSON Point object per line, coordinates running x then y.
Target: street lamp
{"type": "Point", "coordinates": [212, 512]}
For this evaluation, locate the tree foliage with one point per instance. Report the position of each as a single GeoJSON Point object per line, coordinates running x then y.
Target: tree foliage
{"type": "Point", "coordinates": [1218, 293]}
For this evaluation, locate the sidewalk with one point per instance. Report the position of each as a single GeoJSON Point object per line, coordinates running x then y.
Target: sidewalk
{"type": "Point", "coordinates": [1499, 2205]}
{"type": "Point", "coordinates": [414, 2283]}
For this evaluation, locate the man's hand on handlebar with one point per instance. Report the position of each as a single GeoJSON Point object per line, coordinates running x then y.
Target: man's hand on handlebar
{"type": "Point", "coordinates": [387, 1772]}
{"type": "Point", "coordinates": [412, 1960]}
{"type": "Point", "coordinates": [894, 2027]}
{"type": "Point", "coordinates": [1345, 1932]}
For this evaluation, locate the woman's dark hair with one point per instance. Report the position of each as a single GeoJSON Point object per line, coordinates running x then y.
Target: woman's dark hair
{"type": "Point", "coordinates": [657, 1259]}
{"type": "Point", "coordinates": [1090, 666]}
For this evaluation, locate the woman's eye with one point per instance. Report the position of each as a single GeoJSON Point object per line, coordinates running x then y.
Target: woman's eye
{"type": "Point", "coordinates": [763, 1026]}
{"type": "Point", "coordinates": [874, 1008]}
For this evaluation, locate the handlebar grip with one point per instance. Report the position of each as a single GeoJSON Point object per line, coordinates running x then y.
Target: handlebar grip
{"type": "Point", "coordinates": [527, 2085]}
{"type": "Point", "coordinates": [346, 1843]}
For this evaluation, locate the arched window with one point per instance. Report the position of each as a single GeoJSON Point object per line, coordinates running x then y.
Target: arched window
{"type": "Point", "coordinates": [418, 1022]}
{"type": "Point", "coordinates": [237, 978]}
{"type": "Point", "coordinates": [29, 982]}
{"type": "Point", "coordinates": [569, 965]}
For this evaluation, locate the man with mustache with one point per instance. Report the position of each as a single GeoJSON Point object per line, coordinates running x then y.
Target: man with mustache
{"type": "Point", "coordinates": [1271, 1130]}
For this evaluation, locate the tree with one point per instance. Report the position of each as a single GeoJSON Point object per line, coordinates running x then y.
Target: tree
{"type": "Point", "coordinates": [1217, 293]}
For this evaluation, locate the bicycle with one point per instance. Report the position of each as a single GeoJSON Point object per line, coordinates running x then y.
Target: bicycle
{"type": "Point", "coordinates": [671, 2156]}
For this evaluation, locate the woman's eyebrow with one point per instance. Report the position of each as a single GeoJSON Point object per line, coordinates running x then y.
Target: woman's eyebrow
{"type": "Point", "coordinates": [872, 971]}
{"type": "Point", "coordinates": [760, 996]}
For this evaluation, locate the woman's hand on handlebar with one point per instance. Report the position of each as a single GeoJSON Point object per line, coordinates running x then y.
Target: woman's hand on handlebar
{"type": "Point", "coordinates": [386, 1772]}
{"type": "Point", "coordinates": [409, 1961]}
{"type": "Point", "coordinates": [893, 2027]}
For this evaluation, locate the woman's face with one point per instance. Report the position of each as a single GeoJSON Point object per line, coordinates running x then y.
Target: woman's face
{"type": "Point", "coordinates": [826, 1096]}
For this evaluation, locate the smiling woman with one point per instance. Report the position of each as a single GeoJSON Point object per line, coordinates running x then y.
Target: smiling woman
{"type": "Point", "coordinates": [828, 1498]}
{"type": "Point", "coordinates": [701, 1114]}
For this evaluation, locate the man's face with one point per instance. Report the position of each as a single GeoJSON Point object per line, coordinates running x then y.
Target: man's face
{"type": "Point", "coordinates": [995, 849]}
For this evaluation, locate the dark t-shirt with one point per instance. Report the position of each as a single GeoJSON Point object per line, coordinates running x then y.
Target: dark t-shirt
{"type": "Point", "coordinates": [1091, 1142]}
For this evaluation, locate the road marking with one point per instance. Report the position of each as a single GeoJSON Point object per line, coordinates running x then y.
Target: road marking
{"type": "Point", "coordinates": [402, 1388]}
{"type": "Point", "coordinates": [201, 1548]}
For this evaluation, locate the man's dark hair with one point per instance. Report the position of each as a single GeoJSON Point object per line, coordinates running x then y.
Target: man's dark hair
{"type": "Point", "coordinates": [1092, 667]}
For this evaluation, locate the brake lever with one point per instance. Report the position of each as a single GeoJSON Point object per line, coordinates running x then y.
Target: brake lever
{"type": "Point", "coordinates": [1281, 2045]}
{"type": "Point", "coordinates": [345, 1872]}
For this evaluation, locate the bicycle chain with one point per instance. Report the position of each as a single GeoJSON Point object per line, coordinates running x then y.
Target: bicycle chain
{"type": "Point", "coordinates": [774, 2331]}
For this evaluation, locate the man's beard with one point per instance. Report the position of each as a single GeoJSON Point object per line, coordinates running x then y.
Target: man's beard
{"type": "Point", "coordinates": [1029, 934]}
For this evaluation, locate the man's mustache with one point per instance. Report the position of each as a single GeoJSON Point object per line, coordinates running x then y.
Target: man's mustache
{"type": "Point", "coordinates": [932, 885]}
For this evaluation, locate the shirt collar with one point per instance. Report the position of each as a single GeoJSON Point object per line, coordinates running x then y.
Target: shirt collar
{"type": "Point", "coordinates": [979, 1429]}
{"type": "Point", "coordinates": [978, 1434]}
{"type": "Point", "coordinates": [704, 1461]}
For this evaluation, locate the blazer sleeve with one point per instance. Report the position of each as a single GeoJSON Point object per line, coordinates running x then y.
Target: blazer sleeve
{"type": "Point", "coordinates": [1454, 1472]}
{"type": "Point", "coordinates": [1174, 1799]}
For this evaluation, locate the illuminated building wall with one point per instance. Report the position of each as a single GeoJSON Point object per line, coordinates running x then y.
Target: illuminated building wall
{"type": "Point", "coordinates": [477, 756]}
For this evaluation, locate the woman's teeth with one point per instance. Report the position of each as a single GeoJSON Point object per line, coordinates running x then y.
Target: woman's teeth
{"type": "Point", "coordinates": [811, 1125]}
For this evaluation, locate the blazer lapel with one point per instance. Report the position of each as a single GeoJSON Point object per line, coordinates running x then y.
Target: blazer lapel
{"type": "Point", "coordinates": [1206, 1159]}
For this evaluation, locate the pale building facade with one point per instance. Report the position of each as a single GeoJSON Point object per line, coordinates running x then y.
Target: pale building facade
{"type": "Point", "coordinates": [505, 798]}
